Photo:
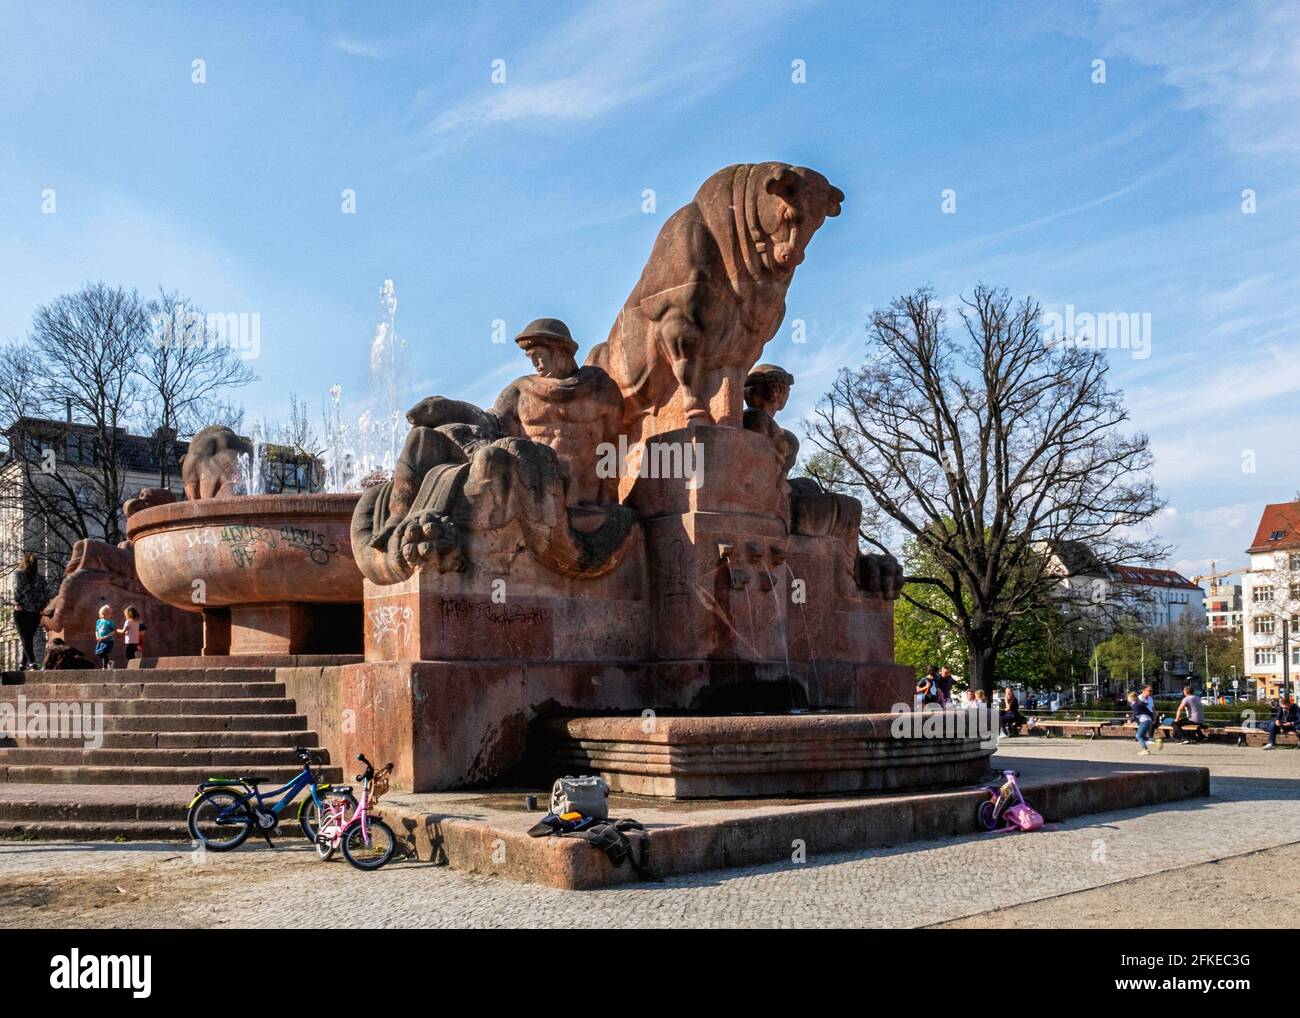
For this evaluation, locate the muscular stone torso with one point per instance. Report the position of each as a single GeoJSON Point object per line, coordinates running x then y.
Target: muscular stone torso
{"type": "Point", "coordinates": [573, 416]}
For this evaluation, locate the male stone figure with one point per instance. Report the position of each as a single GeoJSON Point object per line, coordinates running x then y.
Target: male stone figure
{"type": "Point", "coordinates": [464, 469]}
{"type": "Point", "coordinates": [767, 388]}
{"type": "Point", "coordinates": [571, 409]}
{"type": "Point", "coordinates": [813, 510]}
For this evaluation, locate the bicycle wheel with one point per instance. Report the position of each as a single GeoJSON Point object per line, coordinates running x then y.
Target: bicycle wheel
{"type": "Point", "coordinates": [213, 830]}
{"type": "Point", "coordinates": [986, 819]}
{"type": "Point", "coordinates": [369, 857]}
{"type": "Point", "coordinates": [309, 813]}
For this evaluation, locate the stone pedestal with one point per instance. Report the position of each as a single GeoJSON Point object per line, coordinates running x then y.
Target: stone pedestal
{"type": "Point", "coordinates": [450, 724]}
{"type": "Point", "coordinates": [738, 757]}
{"type": "Point", "coordinates": [715, 606]}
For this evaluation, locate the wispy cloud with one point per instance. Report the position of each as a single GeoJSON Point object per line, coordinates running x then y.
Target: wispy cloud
{"type": "Point", "coordinates": [611, 55]}
{"type": "Point", "coordinates": [355, 48]}
{"type": "Point", "coordinates": [1239, 63]}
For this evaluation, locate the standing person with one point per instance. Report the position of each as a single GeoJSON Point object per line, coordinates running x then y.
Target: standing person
{"type": "Point", "coordinates": [1011, 718]}
{"type": "Point", "coordinates": [944, 683]}
{"type": "Point", "coordinates": [1287, 719]}
{"type": "Point", "coordinates": [927, 688]}
{"type": "Point", "coordinates": [1140, 713]}
{"type": "Point", "coordinates": [130, 632]}
{"type": "Point", "coordinates": [31, 595]}
{"type": "Point", "coordinates": [1190, 712]}
{"type": "Point", "coordinates": [1149, 698]}
{"type": "Point", "coordinates": [104, 629]}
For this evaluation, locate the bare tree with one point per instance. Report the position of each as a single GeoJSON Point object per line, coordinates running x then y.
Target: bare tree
{"type": "Point", "coordinates": [988, 450]}
{"type": "Point", "coordinates": [95, 364]}
{"type": "Point", "coordinates": [68, 394]}
{"type": "Point", "coordinates": [187, 373]}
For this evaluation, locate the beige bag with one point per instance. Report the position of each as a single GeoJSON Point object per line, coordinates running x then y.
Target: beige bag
{"type": "Point", "coordinates": [586, 795]}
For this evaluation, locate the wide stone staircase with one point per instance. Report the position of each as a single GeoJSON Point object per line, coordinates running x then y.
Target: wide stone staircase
{"type": "Point", "coordinates": [163, 730]}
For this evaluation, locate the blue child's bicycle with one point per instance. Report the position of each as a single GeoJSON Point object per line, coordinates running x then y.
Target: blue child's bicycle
{"type": "Point", "coordinates": [227, 810]}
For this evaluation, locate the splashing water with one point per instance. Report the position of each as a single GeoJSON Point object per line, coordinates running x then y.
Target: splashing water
{"type": "Point", "coordinates": [252, 481]}
{"type": "Point", "coordinates": [352, 455]}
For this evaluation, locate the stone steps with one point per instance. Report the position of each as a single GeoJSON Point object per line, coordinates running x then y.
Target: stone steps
{"type": "Point", "coordinates": [75, 774]}
{"type": "Point", "coordinates": [161, 729]}
{"type": "Point", "coordinates": [112, 692]}
{"type": "Point", "coordinates": [171, 706]}
{"type": "Point", "coordinates": [274, 738]}
{"type": "Point", "coordinates": [207, 676]}
{"type": "Point", "coordinates": [233, 759]}
{"type": "Point", "coordinates": [204, 722]}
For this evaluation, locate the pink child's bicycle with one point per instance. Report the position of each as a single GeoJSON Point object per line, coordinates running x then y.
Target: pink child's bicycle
{"type": "Point", "coordinates": [1006, 810]}
{"type": "Point", "coordinates": [367, 843]}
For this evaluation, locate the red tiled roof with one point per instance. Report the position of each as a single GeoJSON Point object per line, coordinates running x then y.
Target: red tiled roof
{"type": "Point", "coordinates": [1281, 519]}
{"type": "Point", "coordinates": [1152, 577]}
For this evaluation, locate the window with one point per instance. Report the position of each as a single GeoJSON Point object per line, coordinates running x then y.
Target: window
{"type": "Point", "coordinates": [1295, 592]}
{"type": "Point", "coordinates": [1264, 625]}
{"type": "Point", "coordinates": [1262, 595]}
{"type": "Point", "coordinates": [1276, 535]}
{"type": "Point", "coordinates": [1265, 657]}
{"type": "Point", "coordinates": [1293, 562]}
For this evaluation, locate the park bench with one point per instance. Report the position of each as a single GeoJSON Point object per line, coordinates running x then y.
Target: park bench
{"type": "Point", "coordinates": [1241, 731]}
{"type": "Point", "coordinates": [1167, 729]}
{"type": "Point", "coordinates": [1092, 728]}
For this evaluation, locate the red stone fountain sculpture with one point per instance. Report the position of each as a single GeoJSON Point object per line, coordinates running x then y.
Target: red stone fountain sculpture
{"type": "Point", "coordinates": [619, 539]}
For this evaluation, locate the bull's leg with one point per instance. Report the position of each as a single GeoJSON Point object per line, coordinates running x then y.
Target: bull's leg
{"type": "Point", "coordinates": [680, 339]}
{"type": "Point", "coordinates": [725, 388]}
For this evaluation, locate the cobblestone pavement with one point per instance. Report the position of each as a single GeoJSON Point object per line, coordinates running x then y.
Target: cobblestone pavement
{"type": "Point", "coordinates": [1063, 876]}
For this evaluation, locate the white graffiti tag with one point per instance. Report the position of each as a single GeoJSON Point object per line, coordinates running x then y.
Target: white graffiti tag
{"type": "Point", "coordinates": [391, 620]}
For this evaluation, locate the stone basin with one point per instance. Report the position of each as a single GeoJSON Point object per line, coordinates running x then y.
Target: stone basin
{"type": "Point", "coordinates": [272, 574]}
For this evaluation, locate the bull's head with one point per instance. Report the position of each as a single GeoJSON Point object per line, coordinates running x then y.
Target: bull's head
{"type": "Point", "coordinates": [790, 205]}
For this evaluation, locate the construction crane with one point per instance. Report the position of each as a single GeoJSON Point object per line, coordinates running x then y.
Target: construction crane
{"type": "Point", "coordinates": [1214, 574]}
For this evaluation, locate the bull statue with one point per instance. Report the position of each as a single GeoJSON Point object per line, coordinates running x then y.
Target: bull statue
{"type": "Point", "coordinates": [712, 294]}
{"type": "Point", "coordinates": [210, 469]}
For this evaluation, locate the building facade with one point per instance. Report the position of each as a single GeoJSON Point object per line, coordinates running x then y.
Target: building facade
{"type": "Point", "coordinates": [50, 464]}
{"type": "Point", "coordinates": [1271, 600]}
{"type": "Point", "coordinates": [1223, 607]}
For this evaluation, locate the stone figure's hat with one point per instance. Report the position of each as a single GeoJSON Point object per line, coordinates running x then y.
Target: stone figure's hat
{"type": "Point", "coordinates": [768, 373]}
{"type": "Point", "coordinates": [549, 331]}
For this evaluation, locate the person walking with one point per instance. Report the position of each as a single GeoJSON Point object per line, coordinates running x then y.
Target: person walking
{"type": "Point", "coordinates": [1140, 713]}
{"type": "Point", "coordinates": [31, 595]}
{"type": "Point", "coordinates": [104, 629]}
{"type": "Point", "coordinates": [1190, 712]}
{"type": "Point", "coordinates": [1287, 719]}
{"type": "Point", "coordinates": [1149, 698]}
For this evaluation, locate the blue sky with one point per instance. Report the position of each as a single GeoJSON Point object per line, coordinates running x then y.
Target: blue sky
{"type": "Point", "coordinates": [511, 201]}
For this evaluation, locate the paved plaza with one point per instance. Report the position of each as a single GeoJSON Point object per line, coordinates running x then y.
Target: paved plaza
{"type": "Point", "coordinates": [1200, 853]}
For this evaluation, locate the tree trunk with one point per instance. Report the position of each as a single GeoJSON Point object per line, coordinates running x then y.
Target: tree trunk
{"type": "Point", "coordinates": [983, 660]}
